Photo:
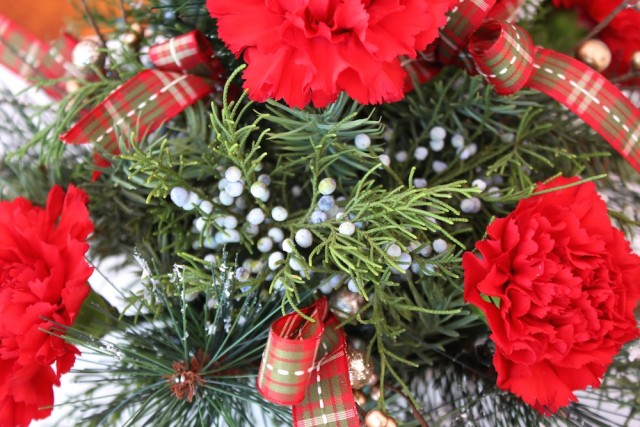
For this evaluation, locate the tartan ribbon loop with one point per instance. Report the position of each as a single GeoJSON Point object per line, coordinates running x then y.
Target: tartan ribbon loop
{"type": "Point", "coordinates": [35, 60]}
{"type": "Point", "coordinates": [305, 365]}
{"type": "Point", "coordinates": [503, 54]}
{"type": "Point", "coordinates": [188, 53]}
{"type": "Point", "coordinates": [152, 97]}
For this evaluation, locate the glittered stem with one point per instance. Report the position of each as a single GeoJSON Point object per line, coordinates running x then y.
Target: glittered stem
{"type": "Point", "coordinates": [93, 23]}
{"type": "Point", "coordinates": [416, 412]}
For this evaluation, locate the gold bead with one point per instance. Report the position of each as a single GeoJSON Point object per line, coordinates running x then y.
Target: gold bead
{"type": "Point", "coordinates": [377, 418]}
{"type": "Point", "coordinates": [595, 54]}
{"type": "Point", "coordinates": [133, 37]}
{"type": "Point", "coordinates": [360, 397]}
{"type": "Point", "coordinates": [360, 372]}
{"type": "Point", "coordinates": [635, 61]}
{"type": "Point", "coordinates": [344, 303]}
{"type": "Point", "coordinates": [375, 393]}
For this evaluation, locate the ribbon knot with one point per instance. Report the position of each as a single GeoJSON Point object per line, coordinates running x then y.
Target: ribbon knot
{"type": "Point", "coordinates": [305, 365]}
{"type": "Point", "coordinates": [503, 53]}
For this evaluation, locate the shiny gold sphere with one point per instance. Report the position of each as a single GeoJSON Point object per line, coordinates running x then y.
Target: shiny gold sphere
{"type": "Point", "coordinates": [375, 393]}
{"type": "Point", "coordinates": [133, 37]}
{"type": "Point", "coordinates": [377, 418]}
{"type": "Point", "coordinates": [360, 371]}
{"type": "Point", "coordinates": [344, 303]}
{"type": "Point", "coordinates": [595, 54]}
{"type": "Point", "coordinates": [635, 61]}
{"type": "Point", "coordinates": [360, 397]}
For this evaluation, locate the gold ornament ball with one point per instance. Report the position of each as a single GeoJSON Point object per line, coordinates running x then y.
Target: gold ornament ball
{"type": "Point", "coordinates": [360, 397]}
{"type": "Point", "coordinates": [635, 61]}
{"type": "Point", "coordinates": [86, 55]}
{"type": "Point", "coordinates": [595, 54]}
{"type": "Point", "coordinates": [360, 372]}
{"type": "Point", "coordinates": [375, 393]}
{"type": "Point", "coordinates": [344, 303]}
{"type": "Point", "coordinates": [134, 36]}
{"type": "Point", "coordinates": [376, 418]}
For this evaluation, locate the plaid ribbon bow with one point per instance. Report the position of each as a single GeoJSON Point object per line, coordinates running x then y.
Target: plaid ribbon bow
{"type": "Point", "coordinates": [185, 72]}
{"type": "Point", "coordinates": [479, 36]}
{"type": "Point", "coordinates": [34, 60]}
{"type": "Point", "coordinates": [305, 365]}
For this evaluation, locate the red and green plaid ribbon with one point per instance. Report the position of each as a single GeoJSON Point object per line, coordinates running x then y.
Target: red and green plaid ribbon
{"type": "Point", "coordinates": [34, 60]}
{"type": "Point", "coordinates": [504, 54]}
{"type": "Point", "coordinates": [305, 365]}
{"type": "Point", "coordinates": [186, 72]}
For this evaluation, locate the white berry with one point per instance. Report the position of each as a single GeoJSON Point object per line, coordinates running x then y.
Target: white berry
{"type": "Point", "coordinates": [439, 166]}
{"type": "Point", "coordinates": [279, 213]}
{"type": "Point", "coordinates": [438, 133]}
{"type": "Point", "coordinates": [401, 156]}
{"type": "Point", "coordinates": [304, 238]}
{"type": "Point", "coordinates": [393, 250]}
{"type": "Point", "coordinates": [362, 141]}
{"type": "Point", "coordinates": [206, 207]}
{"type": "Point", "coordinates": [276, 234]}
{"type": "Point", "coordinates": [242, 274]}
{"type": "Point", "coordinates": [179, 196]}
{"type": "Point", "coordinates": [225, 198]}
{"type": "Point", "coordinates": [384, 159]}
{"type": "Point", "coordinates": [457, 140]}
{"type": "Point", "coordinates": [439, 245]}
{"type": "Point", "coordinates": [255, 216]}
{"type": "Point", "coordinates": [419, 182]}
{"type": "Point", "coordinates": [233, 174]}
{"type": "Point", "coordinates": [472, 205]}
{"type": "Point", "coordinates": [436, 144]}
{"type": "Point", "coordinates": [351, 285]}
{"type": "Point", "coordinates": [295, 264]}
{"type": "Point", "coordinates": [287, 246]}
{"type": "Point", "coordinates": [199, 224]}
{"type": "Point", "coordinates": [327, 186]}
{"type": "Point", "coordinates": [274, 260]}
{"type": "Point", "coordinates": [229, 222]}
{"type": "Point", "coordinates": [347, 228]}
{"type": "Point", "coordinates": [421, 153]}
{"type": "Point", "coordinates": [265, 244]}
{"type": "Point", "coordinates": [296, 191]}
{"type": "Point", "coordinates": [479, 183]}
{"type": "Point", "coordinates": [259, 189]}
{"type": "Point", "coordinates": [317, 217]}
{"type": "Point", "coordinates": [265, 179]}
{"type": "Point", "coordinates": [234, 189]}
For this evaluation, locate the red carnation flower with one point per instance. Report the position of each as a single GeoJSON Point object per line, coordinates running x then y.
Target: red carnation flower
{"type": "Point", "coordinates": [311, 50]}
{"type": "Point", "coordinates": [558, 285]}
{"type": "Point", "coordinates": [43, 275]}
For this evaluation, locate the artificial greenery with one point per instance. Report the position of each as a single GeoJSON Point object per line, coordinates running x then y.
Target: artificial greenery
{"type": "Point", "coordinates": [413, 318]}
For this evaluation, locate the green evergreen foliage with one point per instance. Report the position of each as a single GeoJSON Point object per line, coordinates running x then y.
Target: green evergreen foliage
{"type": "Point", "coordinates": [413, 318]}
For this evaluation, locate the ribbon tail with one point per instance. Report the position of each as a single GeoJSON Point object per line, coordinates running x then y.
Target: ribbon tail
{"type": "Point", "coordinates": [329, 399]}
{"type": "Point", "coordinates": [141, 105]}
{"type": "Point", "coordinates": [591, 97]}
{"type": "Point", "coordinates": [32, 59]}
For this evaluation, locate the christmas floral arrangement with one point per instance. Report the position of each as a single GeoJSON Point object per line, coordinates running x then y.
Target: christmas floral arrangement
{"type": "Point", "coordinates": [323, 213]}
